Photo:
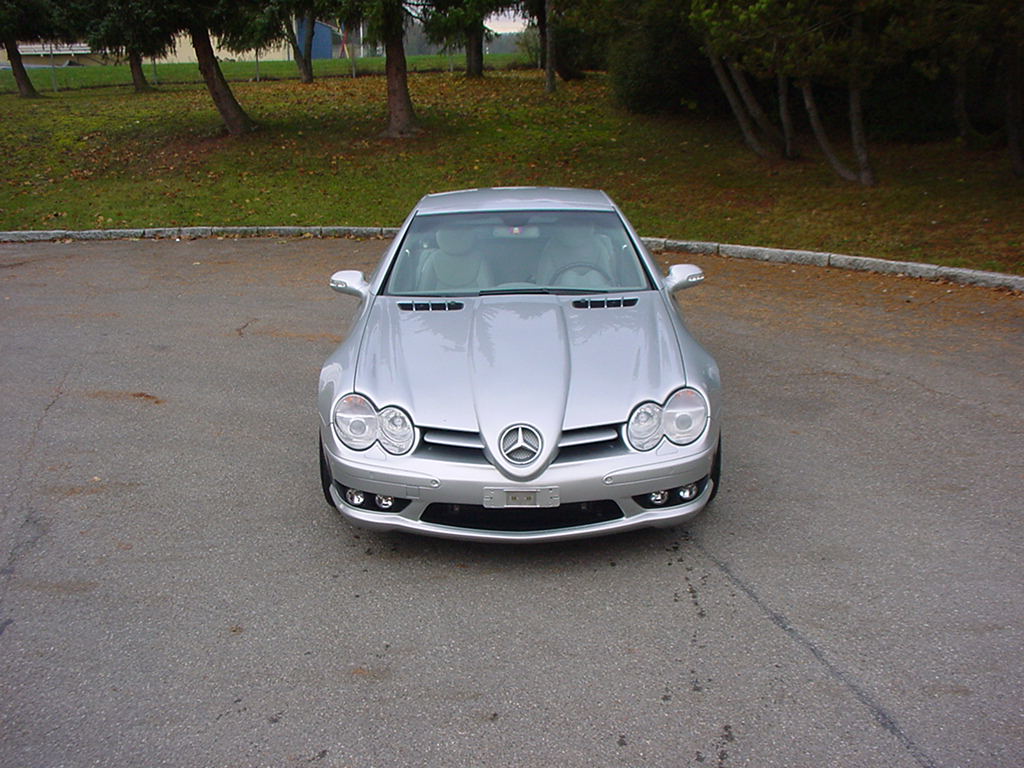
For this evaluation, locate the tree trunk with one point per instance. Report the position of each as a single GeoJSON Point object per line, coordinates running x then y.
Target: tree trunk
{"type": "Point", "coordinates": [738, 110]}
{"type": "Point", "coordinates": [25, 88]}
{"type": "Point", "coordinates": [347, 47]}
{"type": "Point", "coordinates": [786, 118]}
{"type": "Point", "coordinates": [235, 119]}
{"type": "Point", "coordinates": [865, 173]}
{"type": "Point", "coordinates": [293, 43]}
{"type": "Point", "coordinates": [401, 119]}
{"type": "Point", "coordinates": [309, 27]}
{"type": "Point", "coordinates": [475, 50]}
{"type": "Point", "coordinates": [754, 107]}
{"type": "Point", "coordinates": [856, 84]}
{"type": "Point", "coordinates": [1015, 110]}
{"type": "Point", "coordinates": [821, 136]}
{"type": "Point", "coordinates": [549, 47]}
{"type": "Point", "coordinates": [303, 49]}
{"type": "Point", "coordinates": [964, 129]}
{"type": "Point", "coordinates": [542, 34]}
{"type": "Point", "coordinates": [138, 75]}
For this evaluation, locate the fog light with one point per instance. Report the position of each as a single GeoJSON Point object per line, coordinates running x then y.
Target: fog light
{"type": "Point", "coordinates": [383, 502]}
{"type": "Point", "coordinates": [658, 498]}
{"type": "Point", "coordinates": [689, 492]}
{"type": "Point", "coordinates": [354, 497]}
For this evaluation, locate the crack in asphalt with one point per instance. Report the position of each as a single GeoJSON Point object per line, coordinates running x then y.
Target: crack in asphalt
{"type": "Point", "coordinates": [31, 529]}
{"type": "Point", "coordinates": [878, 712]}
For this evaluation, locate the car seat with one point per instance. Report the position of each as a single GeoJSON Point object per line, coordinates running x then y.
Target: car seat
{"type": "Point", "coordinates": [455, 265]}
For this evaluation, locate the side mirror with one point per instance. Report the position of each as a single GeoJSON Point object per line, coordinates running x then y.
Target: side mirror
{"type": "Point", "coordinates": [350, 282]}
{"type": "Point", "coordinates": [682, 276]}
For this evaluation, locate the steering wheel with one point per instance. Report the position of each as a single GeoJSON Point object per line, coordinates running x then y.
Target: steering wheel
{"type": "Point", "coordinates": [581, 265]}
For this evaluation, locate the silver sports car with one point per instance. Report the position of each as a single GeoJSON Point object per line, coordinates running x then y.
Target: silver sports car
{"type": "Point", "coordinates": [517, 371]}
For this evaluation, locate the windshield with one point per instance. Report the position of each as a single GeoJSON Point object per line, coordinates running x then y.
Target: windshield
{"type": "Point", "coordinates": [469, 254]}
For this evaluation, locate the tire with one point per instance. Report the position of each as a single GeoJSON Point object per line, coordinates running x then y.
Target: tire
{"type": "Point", "coordinates": [325, 477]}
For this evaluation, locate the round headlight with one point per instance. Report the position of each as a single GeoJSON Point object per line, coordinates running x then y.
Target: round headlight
{"type": "Point", "coordinates": [644, 428]}
{"type": "Point", "coordinates": [356, 422]}
{"type": "Point", "coordinates": [396, 430]}
{"type": "Point", "coordinates": [684, 416]}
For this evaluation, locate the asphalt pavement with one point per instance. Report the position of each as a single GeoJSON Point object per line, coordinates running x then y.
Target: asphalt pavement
{"type": "Point", "coordinates": [174, 590]}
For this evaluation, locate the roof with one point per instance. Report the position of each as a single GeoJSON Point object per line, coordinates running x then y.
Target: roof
{"type": "Point", "coordinates": [57, 49]}
{"type": "Point", "coordinates": [515, 199]}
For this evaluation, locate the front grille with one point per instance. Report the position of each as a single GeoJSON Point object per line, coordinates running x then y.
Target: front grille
{"type": "Point", "coordinates": [518, 519]}
{"type": "Point", "coordinates": [451, 445]}
{"type": "Point", "coordinates": [454, 438]}
{"type": "Point", "coordinates": [587, 436]}
{"type": "Point", "coordinates": [573, 445]}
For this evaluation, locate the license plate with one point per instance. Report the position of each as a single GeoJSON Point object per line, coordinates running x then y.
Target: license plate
{"type": "Point", "coordinates": [501, 498]}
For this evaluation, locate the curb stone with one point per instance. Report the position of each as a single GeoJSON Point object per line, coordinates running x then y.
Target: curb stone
{"type": "Point", "coordinates": [866, 264]}
{"type": "Point", "coordinates": [158, 232]}
{"type": "Point", "coordinates": [957, 275]}
{"type": "Point", "coordinates": [234, 231]}
{"type": "Point", "coordinates": [775, 254]}
{"type": "Point", "coordinates": [32, 236]}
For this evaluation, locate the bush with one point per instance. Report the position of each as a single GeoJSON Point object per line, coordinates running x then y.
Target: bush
{"type": "Point", "coordinates": [657, 64]}
{"type": "Point", "coordinates": [578, 50]}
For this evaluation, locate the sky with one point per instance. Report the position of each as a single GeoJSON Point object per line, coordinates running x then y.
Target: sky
{"type": "Point", "coordinates": [505, 22]}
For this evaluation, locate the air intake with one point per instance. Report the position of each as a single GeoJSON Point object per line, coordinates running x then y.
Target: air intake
{"type": "Point", "coordinates": [430, 306]}
{"type": "Point", "coordinates": [604, 303]}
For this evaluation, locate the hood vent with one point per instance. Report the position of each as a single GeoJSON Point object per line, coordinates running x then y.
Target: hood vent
{"type": "Point", "coordinates": [604, 303]}
{"type": "Point", "coordinates": [430, 306]}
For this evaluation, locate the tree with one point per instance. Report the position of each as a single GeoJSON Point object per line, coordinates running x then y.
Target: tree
{"type": "Point", "coordinates": [385, 21]}
{"type": "Point", "coordinates": [25, 20]}
{"type": "Point", "coordinates": [844, 43]}
{"type": "Point", "coordinates": [149, 27]}
{"type": "Point", "coordinates": [562, 40]}
{"type": "Point", "coordinates": [537, 10]}
{"type": "Point", "coordinates": [271, 21]}
{"type": "Point", "coordinates": [303, 49]}
{"type": "Point", "coordinates": [649, 47]}
{"type": "Point", "coordinates": [133, 28]}
{"type": "Point", "coordinates": [227, 20]}
{"type": "Point", "coordinates": [550, 56]}
{"type": "Point", "coordinates": [961, 37]}
{"type": "Point", "coordinates": [571, 35]}
{"type": "Point", "coordinates": [460, 24]}
{"type": "Point", "coordinates": [235, 118]}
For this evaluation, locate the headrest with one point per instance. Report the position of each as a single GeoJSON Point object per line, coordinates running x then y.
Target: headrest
{"type": "Point", "coordinates": [574, 236]}
{"type": "Point", "coordinates": [456, 241]}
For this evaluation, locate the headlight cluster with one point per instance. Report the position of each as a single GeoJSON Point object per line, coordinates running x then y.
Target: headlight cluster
{"type": "Point", "coordinates": [359, 425]}
{"type": "Point", "coordinates": [681, 419]}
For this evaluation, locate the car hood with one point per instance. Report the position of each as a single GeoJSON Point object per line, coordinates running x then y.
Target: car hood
{"type": "Point", "coordinates": [552, 362]}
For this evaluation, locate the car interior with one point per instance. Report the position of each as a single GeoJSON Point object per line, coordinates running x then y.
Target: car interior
{"type": "Point", "coordinates": [513, 252]}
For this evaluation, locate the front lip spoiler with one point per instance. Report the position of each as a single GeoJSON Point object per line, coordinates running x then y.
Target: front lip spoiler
{"type": "Point", "coordinates": [654, 518]}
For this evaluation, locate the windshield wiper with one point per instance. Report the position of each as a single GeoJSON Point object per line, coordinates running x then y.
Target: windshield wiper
{"type": "Point", "coordinates": [541, 290]}
{"type": "Point", "coordinates": [508, 291]}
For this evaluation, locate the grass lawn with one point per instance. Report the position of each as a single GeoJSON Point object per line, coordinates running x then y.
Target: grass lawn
{"type": "Point", "coordinates": [106, 157]}
{"type": "Point", "coordinates": [48, 80]}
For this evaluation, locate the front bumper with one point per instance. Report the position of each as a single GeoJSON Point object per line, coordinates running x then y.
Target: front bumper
{"type": "Point", "coordinates": [426, 482]}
